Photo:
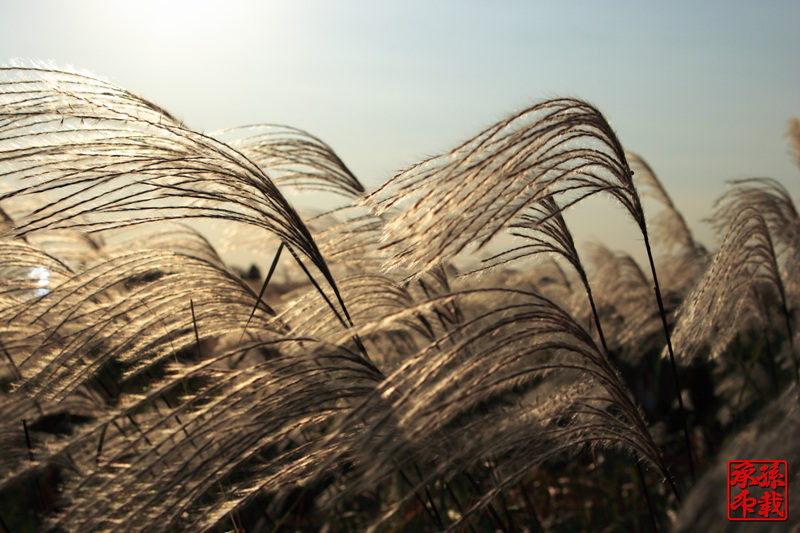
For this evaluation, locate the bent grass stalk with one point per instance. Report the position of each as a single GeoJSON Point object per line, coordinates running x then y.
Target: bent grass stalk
{"type": "Point", "coordinates": [673, 364]}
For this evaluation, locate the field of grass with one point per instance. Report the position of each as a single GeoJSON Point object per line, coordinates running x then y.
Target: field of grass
{"type": "Point", "coordinates": [363, 382]}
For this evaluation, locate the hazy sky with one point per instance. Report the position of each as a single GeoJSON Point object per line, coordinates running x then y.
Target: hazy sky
{"type": "Point", "coordinates": [702, 90]}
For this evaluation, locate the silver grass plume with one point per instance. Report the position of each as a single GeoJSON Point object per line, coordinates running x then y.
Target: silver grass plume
{"type": "Point", "coordinates": [195, 460]}
{"type": "Point", "coordinates": [134, 310]}
{"type": "Point", "coordinates": [779, 212]}
{"type": "Point", "coordinates": [295, 157]}
{"type": "Point", "coordinates": [559, 148]}
{"type": "Point", "coordinates": [116, 160]}
{"type": "Point", "coordinates": [206, 419]}
{"type": "Point", "coordinates": [546, 277]}
{"type": "Point", "coordinates": [520, 380]}
{"type": "Point", "coordinates": [743, 270]}
{"type": "Point", "coordinates": [774, 203]}
{"type": "Point", "coordinates": [540, 229]}
{"type": "Point", "coordinates": [155, 453]}
{"type": "Point", "coordinates": [758, 259]}
{"type": "Point", "coordinates": [349, 238]}
{"type": "Point", "coordinates": [439, 207]}
{"type": "Point", "coordinates": [543, 229]}
{"type": "Point", "coordinates": [369, 297]}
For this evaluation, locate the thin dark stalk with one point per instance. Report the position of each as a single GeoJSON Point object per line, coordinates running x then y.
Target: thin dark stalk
{"type": "Point", "coordinates": [643, 484]}
{"type": "Point", "coordinates": [784, 307]}
{"type": "Point", "coordinates": [532, 516]}
{"type": "Point", "coordinates": [196, 333]}
{"type": "Point", "coordinates": [263, 287]}
{"type": "Point", "coordinates": [356, 338]}
{"type": "Point", "coordinates": [28, 440]}
{"type": "Point", "coordinates": [289, 511]}
{"type": "Point", "coordinates": [507, 512]}
{"type": "Point", "coordinates": [133, 421]}
{"type": "Point", "coordinates": [429, 496]}
{"type": "Point", "coordinates": [489, 507]}
{"type": "Point", "coordinates": [432, 514]}
{"type": "Point", "coordinates": [39, 492]}
{"type": "Point", "coordinates": [496, 478]}
{"type": "Point", "coordinates": [674, 366]}
{"type": "Point", "coordinates": [10, 361]}
{"type": "Point", "coordinates": [453, 496]}
{"type": "Point", "coordinates": [100, 441]}
{"type": "Point", "coordinates": [319, 289]}
{"type": "Point", "coordinates": [611, 360]}
{"type": "Point", "coordinates": [609, 357]}
{"type": "Point", "coordinates": [596, 315]}
{"type": "Point", "coordinates": [442, 319]}
{"type": "Point", "coordinates": [4, 525]}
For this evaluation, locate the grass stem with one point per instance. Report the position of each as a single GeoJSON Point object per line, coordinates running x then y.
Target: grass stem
{"type": "Point", "coordinates": [673, 364]}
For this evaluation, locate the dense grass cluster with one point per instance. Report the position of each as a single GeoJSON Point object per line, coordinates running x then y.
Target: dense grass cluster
{"type": "Point", "coordinates": [365, 382]}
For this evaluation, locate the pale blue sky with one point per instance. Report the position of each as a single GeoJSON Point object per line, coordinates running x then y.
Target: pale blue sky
{"type": "Point", "coordinates": [702, 90]}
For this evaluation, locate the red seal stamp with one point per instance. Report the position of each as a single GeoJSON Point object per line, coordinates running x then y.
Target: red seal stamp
{"type": "Point", "coordinates": [757, 490]}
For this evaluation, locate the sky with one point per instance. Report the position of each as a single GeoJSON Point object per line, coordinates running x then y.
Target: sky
{"type": "Point", "coordinates": [702, 90]}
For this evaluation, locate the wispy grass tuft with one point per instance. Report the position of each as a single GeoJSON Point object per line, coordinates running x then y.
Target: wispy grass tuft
{"type": "Point", "coordinates": [366, 383]}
